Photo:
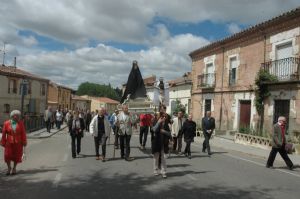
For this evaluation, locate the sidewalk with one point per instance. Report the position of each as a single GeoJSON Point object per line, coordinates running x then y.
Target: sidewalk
{"type": "Point", "coordinates": [227, 143]}
{"type": "Point", "coordinates": [42, 133]}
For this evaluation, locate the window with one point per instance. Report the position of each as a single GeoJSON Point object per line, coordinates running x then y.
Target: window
{"type": "Point", "coordinates": [12, 86]}
{"type": "Point", "coordinates": [207, 105]}
{"type": "Point", "coordinates": [6, 108]}
{"type": "Point", "coordinates": [43, 89]}
{"type": "Point", "coordinates": [232, 70]}
{"type": "Point", "coordinates": [210, 77]}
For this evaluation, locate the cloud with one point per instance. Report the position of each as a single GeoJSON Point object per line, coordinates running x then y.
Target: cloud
{"type": "Point", "coordinates": [77, 21]}
{"type": "Point", "coordinates": [233, 28]}
{"type": "Point", "coordinates": [107, 64]}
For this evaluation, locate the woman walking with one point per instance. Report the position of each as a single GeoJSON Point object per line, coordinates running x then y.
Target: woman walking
{"type": "Point", "coordinates": [13, 140]}
{"type": "Point", "coordinates": [76, 134]}
{"type": "Point", "coordinates": [160, 145]}
{"type": "Point", "coordinates": [189, 132]}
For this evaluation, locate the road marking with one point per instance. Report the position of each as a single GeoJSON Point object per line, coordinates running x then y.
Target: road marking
{"type": "Point", "coordinates": [188, 175]}
{"type": "Point", "coordinates": [65, 157]}
{"type": "Point", "coordinates": [57, 179]}
{"type": "Point", "coordinates": [260, 164]}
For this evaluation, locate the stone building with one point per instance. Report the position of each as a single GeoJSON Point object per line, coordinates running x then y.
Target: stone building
{"type": "Point", "coordinates": [59, 97]}
{"type": "Point", "coordinates": [223, 75]}
{"type": "Point", "coordinates": [80, 103]}
{"type": "Point", "coordinates": [98, 102]}
{"type": "Point", "coordinates": [35, 100]}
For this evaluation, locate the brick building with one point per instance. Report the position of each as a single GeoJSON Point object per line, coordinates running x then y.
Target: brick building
{"type": "Point", "coordinates": [223, 75]}
{"type": "Point", "coordinates": [59, 97]}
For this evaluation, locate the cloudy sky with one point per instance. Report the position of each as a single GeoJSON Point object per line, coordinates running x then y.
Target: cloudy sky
{"type": "Point", "coordinates": [74, 41]}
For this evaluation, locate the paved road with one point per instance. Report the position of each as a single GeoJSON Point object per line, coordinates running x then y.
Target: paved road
{"type": "Point", "coordinates": [50, 172]}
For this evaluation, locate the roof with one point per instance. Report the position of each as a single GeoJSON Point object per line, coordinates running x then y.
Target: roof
{"type": "Point", "coordinates": [58, 85]}
{"type": "Point", "coordinates": [253, 29]}
{"type": "Point", "coordinates": [17, 72]}
{"type": "Point", "coordinates": [185, 79]}
{"type": "Point", "coordinates": [100, 99]}
{"type": "Point", "coordinates": [76, 97]}
{"type": "Point", "coordinates": [107, 100]}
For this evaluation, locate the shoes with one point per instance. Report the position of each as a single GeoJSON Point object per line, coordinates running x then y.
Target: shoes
{"type": "Point", "coordinates": [104, 159]}
{"type": "Point", "coordinates": [203, 150]}
{"type": "Point", "coordinates": [209, 153]}
{"type": "Point", "coordinates": [8, 172]}
{"type": "Point", "coordinates": [156, 173]}
{"type": "Point", "coordinates": [98, 158]}
{"type": "Point", "coordinates": [291, 167]}
{"type": "Point", "coordinates": [14, 171]}
{"type": "Point", "coordinates": [269, 167]}
{"type": "Point", "coordinates": [189, 157]}
{"type": "Point", "coordinates": [164, 175]}
{"type": "Point", "coordinates": [129, 159]}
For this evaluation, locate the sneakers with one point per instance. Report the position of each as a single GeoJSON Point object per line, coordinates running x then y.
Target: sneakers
{"type": "Point", "coordinates": [164, 175]}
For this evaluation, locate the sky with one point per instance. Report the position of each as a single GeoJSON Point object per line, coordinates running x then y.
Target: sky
{"type": "Point", "coordinates": [75, 41]}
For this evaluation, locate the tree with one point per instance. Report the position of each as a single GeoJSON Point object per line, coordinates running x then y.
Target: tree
{"type": "Point", "coordinates": [97, 90]}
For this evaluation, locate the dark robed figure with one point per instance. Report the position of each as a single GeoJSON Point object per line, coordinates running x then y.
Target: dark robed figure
{"type": "Point", "coordinates": [135, 84]}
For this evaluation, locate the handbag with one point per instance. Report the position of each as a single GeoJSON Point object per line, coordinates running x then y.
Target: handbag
{"type": "Point", "coordinates": [289, 148]}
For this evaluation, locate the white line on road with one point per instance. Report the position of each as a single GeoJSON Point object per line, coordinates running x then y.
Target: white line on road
{"type": "Point", "coordinates": [259, 164]}
{"type": "Point", "coordinates": [57, 179]}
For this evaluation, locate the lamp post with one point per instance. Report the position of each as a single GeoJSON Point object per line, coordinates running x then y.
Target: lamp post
{"type": "Point", "coordinates": [24, 89]}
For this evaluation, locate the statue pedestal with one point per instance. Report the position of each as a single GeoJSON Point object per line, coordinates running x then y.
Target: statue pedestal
{"type": "Point", "coordinates": [140, 105]}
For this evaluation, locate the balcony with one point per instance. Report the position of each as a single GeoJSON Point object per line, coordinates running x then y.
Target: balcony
{"type": "Point", "coordinates": [207, 80]}
{"type": "Point", "coordinates": [284, 69]}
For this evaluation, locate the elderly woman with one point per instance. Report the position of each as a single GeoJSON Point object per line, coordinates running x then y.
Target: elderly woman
{"type": "Point", "coordinates": [13, 141]}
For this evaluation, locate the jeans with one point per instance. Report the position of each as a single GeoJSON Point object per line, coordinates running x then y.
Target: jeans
{"type": "Point", "coordinates": [159, 159]}
{"type": "Point", "coordinates": [206, 143]}
{"type": "Point", "coordinates": [179, 141]}
{"type": "Point", "coordinates": [75, 148]}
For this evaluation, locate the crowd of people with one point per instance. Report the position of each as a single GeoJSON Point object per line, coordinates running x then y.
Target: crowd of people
{"type": "Point", "coordinates": [167, 134]}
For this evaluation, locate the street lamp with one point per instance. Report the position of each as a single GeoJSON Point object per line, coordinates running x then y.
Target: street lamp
{"type": "Point", "coordinates": [23, 88]}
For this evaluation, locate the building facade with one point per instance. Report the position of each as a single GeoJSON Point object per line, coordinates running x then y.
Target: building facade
{"type": "Point", "coordinates": [35, 99]}
{"type": "Point", "coordinates": [80, 103]}
{"type": "Point", "coordinates": [102, 102]}
{"type": "Point", "coordinates": [224, 72]}
{"type": "Point", "coordinates": [59, 97]}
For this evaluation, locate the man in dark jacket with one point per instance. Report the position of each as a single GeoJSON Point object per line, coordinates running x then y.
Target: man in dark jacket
{"type": "Point", "coordinates": [208, 127]}
{"type": "Point", "coordinates": [189, 132]}
{"type": "Point", "coordinates": [77, 128]}
{"type": "Point", "coordinates": [88, 119]}
{"type": "Point", "coordinates": [278, 144]}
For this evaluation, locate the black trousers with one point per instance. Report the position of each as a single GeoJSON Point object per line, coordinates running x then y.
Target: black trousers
{"type": "Point", "coordinates": [283, 154]}
{"type": "Point", "coordinates": [76, 139]}
{"type": "Point", "coordinates": [116, 129]}
{"type": "Point", "coordinates": [143, 135]}
{"type": "Point", "coordinates": [100, 140]}
{"type": "Point", "coordinates": [177, 140]}
{"type": "Point", "coordinates": [87, 126]}
{"type": "Point", "coordinates": [48, 125]}
{"type": "Point", "coordinates": [206, 142]}
{"type": "Point", "coordinates": [188, 147]}
{"type": "Point", "coordinates": [125, 145]}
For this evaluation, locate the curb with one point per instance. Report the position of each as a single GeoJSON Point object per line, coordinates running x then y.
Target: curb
{"type": "Point", "coordinates": [46, 136]}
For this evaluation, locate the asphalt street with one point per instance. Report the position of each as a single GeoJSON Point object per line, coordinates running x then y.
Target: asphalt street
{"type": "Point", "coordinates": [50, 172]}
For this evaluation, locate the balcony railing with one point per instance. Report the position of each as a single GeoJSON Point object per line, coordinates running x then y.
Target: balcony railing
{"type": "Point", "coordinates": [284, 69]}
{"type": "Point", "coordinates": [207, 80]}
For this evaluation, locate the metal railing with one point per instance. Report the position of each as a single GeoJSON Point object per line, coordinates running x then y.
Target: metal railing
{"type": "Point", "coordinates": [207, 80]}
{"type": "Point", "coordinates": [34, 122]}
{"type": "Point", "coordinates": [284, 69]}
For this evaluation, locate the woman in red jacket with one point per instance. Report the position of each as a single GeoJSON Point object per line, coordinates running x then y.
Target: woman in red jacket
{"type": "Point", "coordinates": [13, 141]}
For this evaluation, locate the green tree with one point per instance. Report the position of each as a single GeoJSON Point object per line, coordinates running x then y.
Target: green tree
{"type": "Point", "coordinates": [97, 90]}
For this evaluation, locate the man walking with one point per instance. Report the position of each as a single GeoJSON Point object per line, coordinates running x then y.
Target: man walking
{"type": "Point", "coordinates": [47, 118]}
{"type": "Point", "coordinates": [88, 119]}
{"type": "Point", "coordinates": [278, 144]}
{"type": "Point", "coordinates": [100, 129]}
{"type": "Point", "coordinates": [145, 122]}
{"type": "Point", "coordinates": [208, 126]}
{"type": "Point", "coordinates": [113, 121]}
{"type": "Point", "coordinates": [177, 131]}
{"type": "Point", "coordinates": [124, 122]}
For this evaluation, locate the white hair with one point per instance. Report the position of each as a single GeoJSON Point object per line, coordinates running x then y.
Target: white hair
{"type": "Point", "coordinates": [281, 118]}
{"type": "Point", "coordinates": [15, 112]}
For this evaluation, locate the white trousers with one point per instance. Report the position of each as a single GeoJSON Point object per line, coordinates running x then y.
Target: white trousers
{"type": "Point", "coordinates": [163, 162]}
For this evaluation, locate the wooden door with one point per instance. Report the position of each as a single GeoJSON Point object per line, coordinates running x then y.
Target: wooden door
{"type": "Point", "coordinates": [245, 113]}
